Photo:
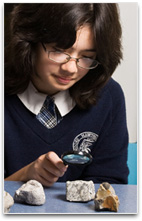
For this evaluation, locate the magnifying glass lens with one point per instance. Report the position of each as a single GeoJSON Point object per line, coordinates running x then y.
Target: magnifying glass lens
{"type": "Point", "coordinates": [76, 158]}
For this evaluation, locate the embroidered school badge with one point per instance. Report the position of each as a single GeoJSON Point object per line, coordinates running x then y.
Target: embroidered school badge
{"type": "Point", "coordinates": [82, 141]}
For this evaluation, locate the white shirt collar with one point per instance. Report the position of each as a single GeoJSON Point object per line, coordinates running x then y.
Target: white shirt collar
{"type": "Point", "coordinates": [33, 100]}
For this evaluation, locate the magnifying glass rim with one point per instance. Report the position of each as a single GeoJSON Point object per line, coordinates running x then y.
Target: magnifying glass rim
{"type": "Point", "coordinates": [80, 153]}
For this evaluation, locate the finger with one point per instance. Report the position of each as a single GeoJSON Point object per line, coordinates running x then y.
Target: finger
{"type": "Point", "coordinates": [43, 166]}
{"type": "Point", "coordinates": [44, 176]}
{"type": "Point", "coordinates": [45, 182]}
{"type": "Point", "coordinates": [56, 161]}
{"type": "Point", "coordinates": [51, 168]}
{"type": "Point", "coordinates": [51, 176]}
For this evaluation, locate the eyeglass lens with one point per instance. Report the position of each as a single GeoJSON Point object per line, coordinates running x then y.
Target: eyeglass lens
{"type": "Point", "coordinates": [81, 62]}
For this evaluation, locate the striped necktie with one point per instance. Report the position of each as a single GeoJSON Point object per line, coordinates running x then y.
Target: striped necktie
{"type": "Point", "coordinates": [49, 115]}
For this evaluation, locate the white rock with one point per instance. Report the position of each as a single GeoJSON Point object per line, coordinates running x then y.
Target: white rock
{"type": "Point", "coordinates": [8, 202]}
{"type": "Point", "coordinates": [79, 190]}
{"type": "Point", "coordinates": [31, 192]}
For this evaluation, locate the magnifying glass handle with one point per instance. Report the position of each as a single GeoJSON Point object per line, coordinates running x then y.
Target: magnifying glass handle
{"type": "Point", "coordinates": [65, 163]}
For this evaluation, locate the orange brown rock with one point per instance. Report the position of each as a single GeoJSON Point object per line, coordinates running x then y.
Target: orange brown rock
{"type": "Point", "coordinates": [106, 199]}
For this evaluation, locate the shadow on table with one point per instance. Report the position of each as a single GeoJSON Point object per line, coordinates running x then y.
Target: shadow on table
{"type": "Point", "coordinates": [61, 197]}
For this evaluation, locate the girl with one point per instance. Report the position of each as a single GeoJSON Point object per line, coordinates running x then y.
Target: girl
{"type": "Point", "coordinates": [66, 53]}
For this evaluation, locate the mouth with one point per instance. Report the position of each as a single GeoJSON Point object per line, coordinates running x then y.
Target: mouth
{"type": "Point", "coordinates": [63, 80]}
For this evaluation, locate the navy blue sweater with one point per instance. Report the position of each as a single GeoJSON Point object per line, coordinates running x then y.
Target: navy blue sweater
{"type": "Point", "coordinates": [26, 138]}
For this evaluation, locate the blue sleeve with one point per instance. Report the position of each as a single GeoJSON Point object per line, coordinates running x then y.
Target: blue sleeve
{"type": "Point", "coordinates": [110, 151]}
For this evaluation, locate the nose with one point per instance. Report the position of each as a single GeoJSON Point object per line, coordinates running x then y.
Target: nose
{"type": "Point", "coordinates": [70, 66]}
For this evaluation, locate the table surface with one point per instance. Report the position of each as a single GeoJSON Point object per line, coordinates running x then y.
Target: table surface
{"type": "Point", "coordinates": [56, 202]}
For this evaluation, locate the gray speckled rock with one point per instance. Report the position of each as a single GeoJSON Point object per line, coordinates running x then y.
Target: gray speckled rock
{"type": "Point", "coordinates": [79, 190]}
{"type": "Point", "coordinates": [105, 198]}
{"type": "Point", "coordinates": [8, 202]}
{"type": "Point", "coordinates": [31, 193]}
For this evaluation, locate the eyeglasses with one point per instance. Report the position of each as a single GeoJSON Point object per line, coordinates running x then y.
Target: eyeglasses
{"type": "Point", "coordinates": [62, 58]}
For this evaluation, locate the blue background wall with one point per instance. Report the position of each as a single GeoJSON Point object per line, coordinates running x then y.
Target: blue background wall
{"type": "Point", "coordinates": [132, 163]}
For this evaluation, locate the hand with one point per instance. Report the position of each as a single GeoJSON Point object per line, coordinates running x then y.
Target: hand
{"type": "Point", "coordinates": [47, 169]}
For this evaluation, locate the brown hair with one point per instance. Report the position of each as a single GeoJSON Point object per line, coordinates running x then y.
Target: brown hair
{"type": "Point", "coordinates": [57, 23]}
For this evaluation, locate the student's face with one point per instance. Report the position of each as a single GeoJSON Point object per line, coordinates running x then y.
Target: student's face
{"type": "Point", "coordinates": [52, 77]}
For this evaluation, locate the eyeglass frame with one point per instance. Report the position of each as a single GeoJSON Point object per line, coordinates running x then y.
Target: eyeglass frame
{"type": "Point", "coordinates": [69, 58]}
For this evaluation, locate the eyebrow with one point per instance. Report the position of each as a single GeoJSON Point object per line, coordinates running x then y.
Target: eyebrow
{"type": "Point", "coordinates": [85, 50]}
{"type": "Point", "coordinates": [90, 50]}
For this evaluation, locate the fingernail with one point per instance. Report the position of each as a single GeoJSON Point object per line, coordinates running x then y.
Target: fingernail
{"type": "Point", "coordinates": [64, 169]}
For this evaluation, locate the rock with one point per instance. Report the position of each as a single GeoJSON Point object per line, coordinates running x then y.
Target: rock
{"type": "Point", "coordinates": [79, 190]}
{"type": "Point", "coordinates": [31, 193]}
{"type": "Point", "coordinates": [106, 199]}
{"type": "Point", "coordinates": [8, 202]}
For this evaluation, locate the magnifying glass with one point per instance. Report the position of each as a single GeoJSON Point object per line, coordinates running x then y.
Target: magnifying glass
{"type": "Point", "coordinates": [76, 158]}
